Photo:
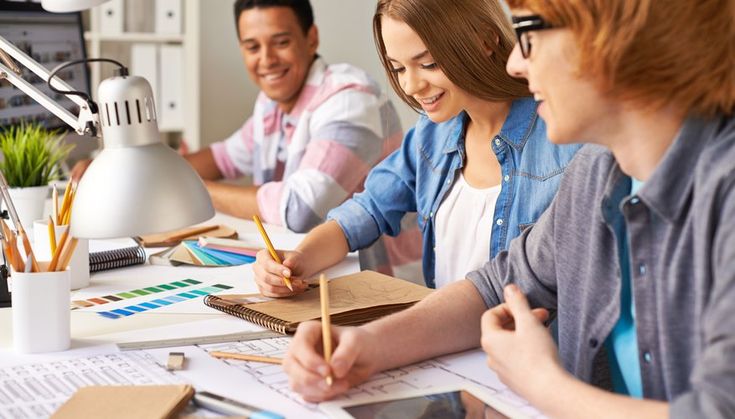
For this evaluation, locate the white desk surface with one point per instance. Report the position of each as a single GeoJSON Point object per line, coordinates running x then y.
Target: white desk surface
{"type": "Point", "coordinates": [258, 384]}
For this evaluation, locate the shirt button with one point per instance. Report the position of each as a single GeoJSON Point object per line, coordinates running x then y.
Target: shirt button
{"type": "Point", "coordinates": [642, 268]}
{"type": "Point", "coordinates": [593, 343]}
{"type": "Point", "coordinates": [449, 181]}
{"type": "Point", "coordinates": [497, 141]}
{"type": "Point", "coordinates": [647, 357]}
{"type": "Point", "coordinates": [499, 222]}
{"type": "Point", "coordinates": [431, 214]}
{"type": "Point", "coordinates": [635, 200]}
{"type": "Point", "coordinates": [506, 178]}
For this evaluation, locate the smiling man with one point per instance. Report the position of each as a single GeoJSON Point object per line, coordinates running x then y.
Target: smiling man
{"type": "Point", "coordinates": [316, 129]}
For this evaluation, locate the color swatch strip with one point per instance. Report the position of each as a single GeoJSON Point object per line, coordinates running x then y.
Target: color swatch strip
{"type": "Point", "coordinates": [162, 302]}
{"type": "Point", "coordinates": [140, 292]}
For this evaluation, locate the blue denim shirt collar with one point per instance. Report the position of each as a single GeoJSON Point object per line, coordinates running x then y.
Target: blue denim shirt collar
{"type": "Point", "coordinates": [518, 124]}
{"type": "Point", "coordinates": [455, 141]}
{"type": "Point", "coordinates": [515, 130]}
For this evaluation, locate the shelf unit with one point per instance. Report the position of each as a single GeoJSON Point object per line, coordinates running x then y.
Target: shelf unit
{"type": "Point", "coordinates": [117, 46]}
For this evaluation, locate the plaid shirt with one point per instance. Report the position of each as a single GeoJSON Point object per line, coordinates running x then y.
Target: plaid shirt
{"type": "Point", "coordinates": [310, 160]}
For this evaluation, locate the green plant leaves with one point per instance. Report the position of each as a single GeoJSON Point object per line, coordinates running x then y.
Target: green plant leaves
{"type": "Point", "coordinates": [32, 155]}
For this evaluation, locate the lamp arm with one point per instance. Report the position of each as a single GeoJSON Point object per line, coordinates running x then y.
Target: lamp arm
{"type": "Point", "coordinates": [86, 123]}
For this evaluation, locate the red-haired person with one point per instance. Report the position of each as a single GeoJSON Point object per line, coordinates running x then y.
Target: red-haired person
{"type": "Point", "coordinates": [636, 255]}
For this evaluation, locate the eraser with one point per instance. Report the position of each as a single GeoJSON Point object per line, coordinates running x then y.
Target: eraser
{"type": "Point", "coordinates": [175, 361]}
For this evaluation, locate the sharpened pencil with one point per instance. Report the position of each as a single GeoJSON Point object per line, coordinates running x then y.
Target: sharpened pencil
{"type": "Point", "coordinates": [246, 357]}
{"type": "Point", "coordinates": [326, 323]}
{"type": "Point", "coordinates": [270, 248]}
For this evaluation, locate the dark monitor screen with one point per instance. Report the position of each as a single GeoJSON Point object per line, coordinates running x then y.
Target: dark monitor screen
{"type": "Point", "coordinates": [50, 39]}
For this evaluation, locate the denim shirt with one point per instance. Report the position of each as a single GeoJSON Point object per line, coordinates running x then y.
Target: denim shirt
{"type": "Point", "coordinates": [418, 175]}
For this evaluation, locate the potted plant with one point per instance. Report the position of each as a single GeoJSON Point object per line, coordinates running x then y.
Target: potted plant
{"type": "Point", "coordinates": [31, 159]}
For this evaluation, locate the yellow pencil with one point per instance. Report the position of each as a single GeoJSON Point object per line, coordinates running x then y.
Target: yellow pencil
{"type": "Point", "coordinates": [55, 203]}
{"type": "Point", "coordinates": [246, 357]}
{"type": "Point", "coordinates": [326, 322]}
{"type": "Point", "coordinates": [51, 234]}
{"type": "Point", "coordinates": [64, 204]}
{"type": "Point", "coordinates": [270, 248]}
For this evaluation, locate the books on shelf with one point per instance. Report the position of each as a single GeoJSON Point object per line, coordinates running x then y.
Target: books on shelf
{"type": "Point", "coordinates": [354, 299]}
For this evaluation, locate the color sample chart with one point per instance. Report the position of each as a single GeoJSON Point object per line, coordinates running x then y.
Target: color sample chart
{"type": "Point", "coordinates": [186, 286]}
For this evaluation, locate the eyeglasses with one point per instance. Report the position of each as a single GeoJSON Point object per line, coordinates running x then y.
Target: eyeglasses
{"type": "Point", "coordinates": [525, 24]}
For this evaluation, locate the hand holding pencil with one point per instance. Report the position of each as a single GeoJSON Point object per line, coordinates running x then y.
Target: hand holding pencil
{"type": "Point", "coordinates": [274, 275]}
{"type": "Point", "coordinates": [324, 361]}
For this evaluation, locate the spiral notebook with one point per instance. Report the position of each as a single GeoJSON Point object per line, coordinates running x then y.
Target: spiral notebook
{"type": "Point", "coordinates": [116, 258]}
{"type": "Point", "coordinates": [354, 299]}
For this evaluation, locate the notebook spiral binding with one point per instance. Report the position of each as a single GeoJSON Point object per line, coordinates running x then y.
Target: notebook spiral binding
{"type": "Point", "coordinates": [117, 258]}
{"type": "Point", "coordinates": [245, 313]}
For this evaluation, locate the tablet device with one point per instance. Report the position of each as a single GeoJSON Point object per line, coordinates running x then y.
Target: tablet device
{"type": "Point", "coordinates": [460, 402]}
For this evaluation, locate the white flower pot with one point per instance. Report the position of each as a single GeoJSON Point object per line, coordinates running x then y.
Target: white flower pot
{"type": "Point", "coordinates": [29, 203]}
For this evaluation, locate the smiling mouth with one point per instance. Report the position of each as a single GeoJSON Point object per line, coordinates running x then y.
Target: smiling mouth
{"type": "Point", "coordinates": [431, 100]}
{"type": "Point", "coordinates": [270, 77]}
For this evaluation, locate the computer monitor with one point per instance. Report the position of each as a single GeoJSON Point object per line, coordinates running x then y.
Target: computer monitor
{"type": "Point", "coordinates": [50, 39]}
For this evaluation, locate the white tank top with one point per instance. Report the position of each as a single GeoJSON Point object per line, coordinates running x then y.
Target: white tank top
{"type": "Point", "coordinates": [463, 225]}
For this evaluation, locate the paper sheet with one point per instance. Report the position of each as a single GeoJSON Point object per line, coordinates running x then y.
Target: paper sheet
{"type": "Point", "coordinates": [36, 390]}
{"type": "Point", "coordinates": [468, 367]}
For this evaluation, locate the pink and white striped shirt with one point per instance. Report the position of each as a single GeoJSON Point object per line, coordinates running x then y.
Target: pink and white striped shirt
{"type": "Point", "coordinates": [310, 160]}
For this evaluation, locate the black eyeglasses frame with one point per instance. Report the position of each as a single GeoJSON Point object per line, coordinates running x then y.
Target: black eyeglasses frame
{"type": "Point", "coordinates": [524, 24]}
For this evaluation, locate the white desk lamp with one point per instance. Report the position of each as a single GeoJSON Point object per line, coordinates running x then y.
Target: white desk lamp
{"type": "Point", "coordinates": [136, 185]}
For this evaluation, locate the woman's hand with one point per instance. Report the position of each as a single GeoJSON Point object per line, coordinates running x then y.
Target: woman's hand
{"type": "Point", "coordinates": [353, 361]}
{"type": "Point", "coordinates": [269, 274]}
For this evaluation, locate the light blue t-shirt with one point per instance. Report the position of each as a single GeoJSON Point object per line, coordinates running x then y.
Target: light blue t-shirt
{"type": "Point", "coordinates": [622, 344]}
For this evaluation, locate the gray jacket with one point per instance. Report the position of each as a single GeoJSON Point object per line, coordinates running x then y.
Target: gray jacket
{"type": "Point", "coordinates": [682, 257]}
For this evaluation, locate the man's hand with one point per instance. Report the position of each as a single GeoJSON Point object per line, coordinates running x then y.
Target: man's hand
{"type": "Point", "coordinates": [519, 347]}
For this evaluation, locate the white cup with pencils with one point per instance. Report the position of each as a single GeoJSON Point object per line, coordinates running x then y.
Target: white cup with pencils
{"type": "Point", "coordinates": [47, 243]}
{"type": "Point", "coordinates": [51, 237]}
{"type": "Point", "coordinates": [41, 310]}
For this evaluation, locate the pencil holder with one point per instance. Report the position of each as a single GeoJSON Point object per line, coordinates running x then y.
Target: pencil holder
{"type": "Point", "coordinates": [79, 263]}
{"type": "Point", "coordinates": [41, 311]}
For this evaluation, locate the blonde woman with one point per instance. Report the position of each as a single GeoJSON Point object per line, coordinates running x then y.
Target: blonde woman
{"type": "Point", "coordinates": [477, 167]}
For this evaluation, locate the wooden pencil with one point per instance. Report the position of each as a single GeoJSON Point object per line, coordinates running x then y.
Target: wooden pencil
{"type": "Point", "coordinates": [65, 202]}
{"type": "Point", "coordinates": [326, 323]}
{"type": "Point", "coordinates": [59, 247]}
{"type": "Point", "coordinates": [67, 253]}
{"type": "Point", "coordinates": [195, 232]}
{"type": "Point", "coordinates": [29, 250]}
{"type": "Point", "coordinates": [246, 357]}
{"type": "Point", "coordinates": [55, 204]}
{"type": "Point", "coordinates": [51, 234]}
{"type": "Point", "coordinates": [270, 248]}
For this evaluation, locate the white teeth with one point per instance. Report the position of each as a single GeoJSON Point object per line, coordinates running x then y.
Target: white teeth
{"type": "Point", "coordinates": [430, 100]}
{"type": "Point", "coordinates": [274, 76]}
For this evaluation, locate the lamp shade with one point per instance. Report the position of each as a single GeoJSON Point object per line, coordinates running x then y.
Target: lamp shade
{"type": "Point", "coordinates": [61, 6]}
{"type": "Point", "coordinates": [130, 191]}
{"type": "Point", "coordinates": [136, 185]}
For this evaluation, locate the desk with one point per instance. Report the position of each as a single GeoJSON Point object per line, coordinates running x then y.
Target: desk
{"type": "Point", "coordinates": [93, 359]}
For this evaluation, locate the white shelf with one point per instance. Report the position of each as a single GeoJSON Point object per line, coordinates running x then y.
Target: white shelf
{"type": "Point", "coordinates": [133, 37]}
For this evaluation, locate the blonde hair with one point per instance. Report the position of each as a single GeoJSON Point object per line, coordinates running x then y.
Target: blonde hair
{"type": "Point", "coordinates": [458, 35]}
{"type": "Point", "coordinates": [655, 52]}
